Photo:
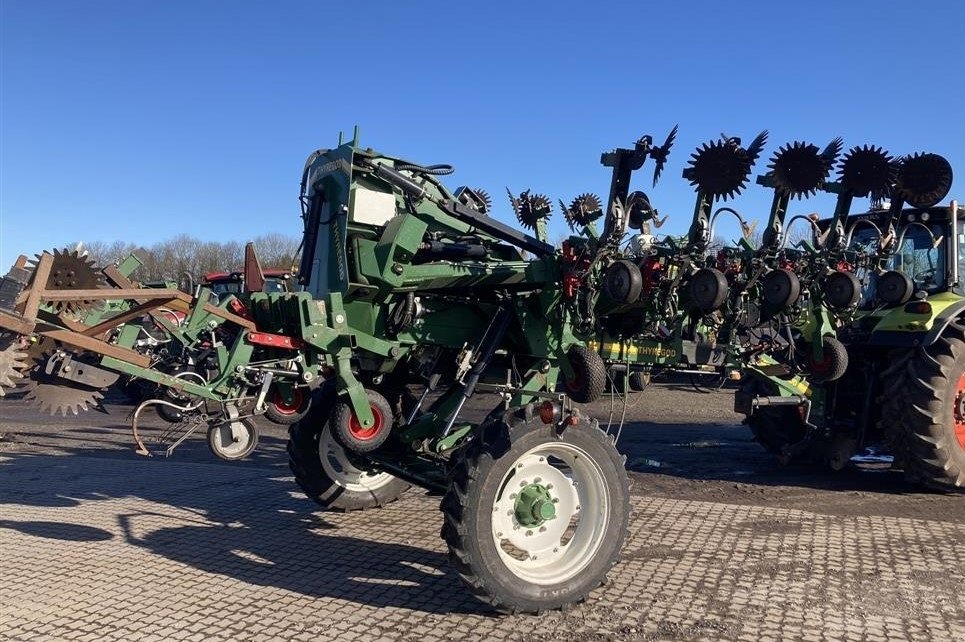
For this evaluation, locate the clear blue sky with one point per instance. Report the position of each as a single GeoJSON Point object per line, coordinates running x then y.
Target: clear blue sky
{"type": "Point", "coordinates": [141, 120]}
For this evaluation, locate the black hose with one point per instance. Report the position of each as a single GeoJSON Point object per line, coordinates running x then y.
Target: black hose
{"type": "Point", "coordinates": [442, 169]}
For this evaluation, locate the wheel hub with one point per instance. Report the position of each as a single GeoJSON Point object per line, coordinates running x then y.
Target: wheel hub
{"type": "Point", "coordinates": [534, 506]}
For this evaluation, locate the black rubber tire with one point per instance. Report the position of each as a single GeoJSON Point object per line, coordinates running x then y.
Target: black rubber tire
{"type": "Point", "coordinates": [622, 282]}
{"type": "Point", "coordinates": [638, 381]}
{"type": "Point", "coordinates": [707, 290]}
{"type": "Point", "coordinates": [780, 288]}
{"type": "Point", "coordinates": [476, 474]}
{"type": "Point", "coordinates": [347, 431]}
{"type": "Point", "coordinates": [590, 381]}
{"type": "Point", "coordinates": [776, 427]}
{"type": "Point", "coordinates": [277, 415]}
{"type": "Point", "coordinates": [835, 361]}
{"type": "Point", "coordinates": [310, 475]}
{"type": "Point", "coordinates": [934, 457]}
{"type": "Point", "coordinates": [842, 290]}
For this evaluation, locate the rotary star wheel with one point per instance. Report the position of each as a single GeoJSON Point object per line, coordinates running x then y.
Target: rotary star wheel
{"type": "Point", "coordinates": [71, 271]}
{"type": "Point", "coordinates": [923, 180]}
{"type": "Point", "coordinates": [583, 210]}
{"type": "Point", "coordinates": [799, 169]}
{"type": "Point", "coordinates": [13, 360]}
{"type": "Point", "coordinates": [720, 168]}
{"type": "Point", "coordinates": [51, 393]}
{"type": "Point", "coordinates": [530, 208]}
{"type": "Point", "coordinates": [477, 199]}
{"type": "Point", "coordinates": [868, 171]}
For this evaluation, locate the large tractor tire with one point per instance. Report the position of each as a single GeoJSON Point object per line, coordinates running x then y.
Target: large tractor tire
{"type": "Point", "coordinates": [934, 417]}
{"type": "Point", "coordinates": [534, 518]}
{"type": "Point", "coordinates": [326, 473]}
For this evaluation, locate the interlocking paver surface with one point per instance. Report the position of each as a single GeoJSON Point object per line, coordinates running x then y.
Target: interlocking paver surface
{"type": "Point", "coordinates": [117, 548]}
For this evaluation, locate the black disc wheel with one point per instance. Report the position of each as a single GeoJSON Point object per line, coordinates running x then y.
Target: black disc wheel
{"type": "Point", "coordinates": [234, 438]}
{"type": "Point", "coordinates": [286, 411]}
{"type": "Point", "coordinates": [535, 518]}
{"type": "Point", "coordinates": [623, 282]}
{"type": "Point", "coordinates": [589, 375]}
{"type": "Point", "coordinates": [326, 472]}
{"type": "Point", "coordinates": [934, 418]}
{"type": "Point", "coordinates": [707, 289]}
{"type": "Point", "coordinates": [780, 288]}
{"type": "Point", "coordinates": [895, 288]}
{"type": "Point", "coordinates": [832, 364]}
{"type": "Point", "coordinates": [842, 290]}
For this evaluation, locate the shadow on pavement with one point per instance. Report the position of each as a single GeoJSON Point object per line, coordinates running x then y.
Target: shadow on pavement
{"type": "Point", "coordinates": [248, 523]}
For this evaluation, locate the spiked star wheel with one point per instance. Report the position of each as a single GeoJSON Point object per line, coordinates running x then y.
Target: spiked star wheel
{"type": "Point", "coordinates": [583, 210]}
{"type": "Point", "coordinates": [799, 169]}
{"type": "Point", "coordinates": [868, 171]}
{"type": "Point", "coordinates": [71, 271]}
{"type": "Point", "coordinates": [13, 360]}
{"type": "Point", "coordinates": [530, 208]}
{"type": "Point", "coordinates": [53, 394]}
{"type": "Point", "coordinates": [923, 180]}
{"type": "Point", "coordinates": [477, 199]}
{"type": "Point", "coordinates": [720, 168]}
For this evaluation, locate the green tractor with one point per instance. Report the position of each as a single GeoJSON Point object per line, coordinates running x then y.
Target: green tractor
{"type": "Point", "coordinates": [903, 391]}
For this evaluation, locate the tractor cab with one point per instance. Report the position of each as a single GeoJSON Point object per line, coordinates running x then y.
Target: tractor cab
{"type": "Point", "coordinates": [225, 283]}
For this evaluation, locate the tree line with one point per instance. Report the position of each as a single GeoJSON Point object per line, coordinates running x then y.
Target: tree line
{"type": "Point", "coordinates": [184, 254]}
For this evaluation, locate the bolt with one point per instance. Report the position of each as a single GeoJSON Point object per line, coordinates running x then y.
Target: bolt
{"type": "Point", "coordinates": [542, 458]}
{"type": "Point", "coordinates": [577, 507]}
{"type": "Point", "coordinates": [556, 500]}
{"type": "Point", "coordinates": [499, 534]}
{"type": "Point", "coordinates": [528, 533]}
{"type": "Point", "coordinates": [339, 318]}
{"type": "Point", "coordinates": [513, 495]}
{"type": "Point", "coordinates": [537, 480]}
{"type": "Point", "coordinates": [519, 465]}
{"type": "Point", "coordinates": [532, 557]}
{"type": "Point", "coordinates": [556, 550]}
{"type": "Point", "coordinates": [549, 486]}
{"type": "Point", "coordinates": [542, 529]}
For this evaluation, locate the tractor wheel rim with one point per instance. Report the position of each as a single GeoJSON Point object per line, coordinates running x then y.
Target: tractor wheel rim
{"type": "Point", "coordinates": [958, 412]}
{"type": "Point", "coordinates": [559, 543]}
{"type": "Point", "coordinates": [363, 433]}
{"type": "Point", "coordinates": [340, 469]}
{"type": "Point", "coordinates": [284, 407]}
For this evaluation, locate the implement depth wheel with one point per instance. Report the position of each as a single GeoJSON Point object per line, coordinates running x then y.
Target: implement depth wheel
{"type": "Point", "coordinates": [285, 413]}
{"type": "Point", "coordinates": [533, 520]}
{"type": "Point", "coordinates": [935, 412]}
{"type": "Point", "coordinates": [326, 472]}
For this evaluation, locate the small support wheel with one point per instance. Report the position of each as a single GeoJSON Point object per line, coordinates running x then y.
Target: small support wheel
{"type": "Point", "coordinates": [352, 435]}
{"type": "Point", "coordinates": [842, 290]}
{"type": "Point", "coordinates": [285, 413]}
{"type": "Point", "coordinates": [895, 288]}
{"type": "Point", "coordinates": [834, 363]}
{"type": "Point", "coordinates": [780, 288]}
{"type": "Point", "coordinates": [708, 290]}
{"type": "Point", "coordinates": [622, 282]}
{"type": "Point", "coordinates": [233, 439]}
{"type": "Point", "coordinates": [589, 375]}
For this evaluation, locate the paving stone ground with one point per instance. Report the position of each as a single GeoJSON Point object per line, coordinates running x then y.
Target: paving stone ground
{"type": "Point", "coordinates": [98, 544]}
{"type": "Point", "coordinates": [96, 549]}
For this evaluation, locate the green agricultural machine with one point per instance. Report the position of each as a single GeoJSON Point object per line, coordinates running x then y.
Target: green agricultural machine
{"type": "Point", "coordinates": [413, 302]}
{"type": "Point", "coordinates": [898, 382]}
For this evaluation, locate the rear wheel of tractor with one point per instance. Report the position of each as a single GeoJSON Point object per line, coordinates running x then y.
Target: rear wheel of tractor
{"type": "Point", "coordinates": [934, 416]}
{"type": "Point", "coordinates": [589, 375]}
{"type": "Point", "coordinates": [324, 470]}
{"type": "Point", "coordinates": [285, 413]}
{"type": "Point", "coordinates": [534, 519]}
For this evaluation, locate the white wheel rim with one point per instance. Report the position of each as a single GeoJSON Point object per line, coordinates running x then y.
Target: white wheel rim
{"type": "Point", "coordinates": [562, 547]}
{"type": "Point", "coordinates": [340, 469]}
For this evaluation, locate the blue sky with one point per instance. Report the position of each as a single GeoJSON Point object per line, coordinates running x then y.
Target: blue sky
{"type": "Point", "coordinates": [142, 120]}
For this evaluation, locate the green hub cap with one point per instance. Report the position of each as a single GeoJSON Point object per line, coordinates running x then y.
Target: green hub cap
{"type": "Point", "coordinates": [534, 505]}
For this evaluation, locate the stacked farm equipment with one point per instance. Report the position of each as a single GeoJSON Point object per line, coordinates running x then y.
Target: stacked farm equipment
{"type": "Point", "coordinates": [414, 300]}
